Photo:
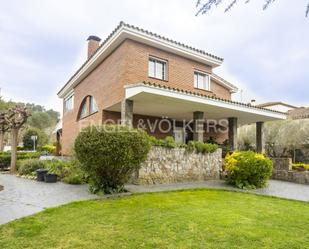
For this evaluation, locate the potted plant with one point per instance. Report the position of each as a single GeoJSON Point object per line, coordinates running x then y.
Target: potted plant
{"type": "Point", "coordinates": [50, 177]}
{"type": "Point", "coordinates": [40, 174]}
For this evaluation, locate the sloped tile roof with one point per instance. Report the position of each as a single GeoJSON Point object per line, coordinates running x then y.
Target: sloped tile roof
{"type": "Point", "coordinates": [171, 41]}
{"type": "Point", "coordinates": [122, 24]}
{"type": "Point", "coordinates": [194, 93]}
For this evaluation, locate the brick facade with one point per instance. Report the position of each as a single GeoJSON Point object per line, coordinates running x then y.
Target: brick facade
{"type": "Point", "coordinates": [128, 64]}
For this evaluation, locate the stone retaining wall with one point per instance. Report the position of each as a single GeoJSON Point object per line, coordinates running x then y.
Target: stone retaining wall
{"type": "Point", "coordinates": [165, 165]}
{"type": "Point", "coordinates": [282, 170]}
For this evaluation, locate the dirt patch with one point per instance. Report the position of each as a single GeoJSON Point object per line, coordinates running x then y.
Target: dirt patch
{"type": "Point", "coordinates": [1, 187]}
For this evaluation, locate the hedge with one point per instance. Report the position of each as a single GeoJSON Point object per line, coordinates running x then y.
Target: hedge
{"type": "Point", "coordinates": [300, 166]}
{"type": "Point", "coordinates": [5, 157]}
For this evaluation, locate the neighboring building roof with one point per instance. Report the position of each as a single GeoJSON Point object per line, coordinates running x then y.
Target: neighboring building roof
{"type": "Point", "coordinates": [299, 113]}
{"type": "Point", "coordinates": [126, 31]}
{"type": "Point", "coordinates": [203, 95]}
{"type": "Point", "coordinates": [268, 104]}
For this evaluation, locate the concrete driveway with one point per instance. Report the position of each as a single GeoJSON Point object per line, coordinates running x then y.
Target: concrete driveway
{"type": "Point", "coordinates": [22, 197]}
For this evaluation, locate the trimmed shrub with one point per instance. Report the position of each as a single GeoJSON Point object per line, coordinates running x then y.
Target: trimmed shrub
{"type": "Point", "coordinates": [29, 166]}
{"type": "Point", "coordinates": [20, 148]}
{"type": "Point", "coordinates": [300, 166]}
{"type": "Point", "coordinates": [5, 157]}
{"type": "Point", "coordinates": [248, 170]}
{"type": "Point", "coordinates": [50, 149]}
{"type": "Point", "coordinates": [5, 160]}
{"type": "Point", "coordinates": [110, 154]}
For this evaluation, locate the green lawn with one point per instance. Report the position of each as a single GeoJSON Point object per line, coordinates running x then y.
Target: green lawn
{"type": "Point", "coordinates": [188, 219]}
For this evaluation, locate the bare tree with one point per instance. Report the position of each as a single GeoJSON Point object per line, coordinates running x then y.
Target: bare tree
{"type": "Point", "coordinates": [15, 118]}
{"type": "Point", "coordinates": [206, 5]}
{"type": "Point", "coordinates": [3, 129]}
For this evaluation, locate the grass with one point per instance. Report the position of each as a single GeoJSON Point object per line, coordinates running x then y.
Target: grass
{"type": "Point", "coordinates": [183, 219]}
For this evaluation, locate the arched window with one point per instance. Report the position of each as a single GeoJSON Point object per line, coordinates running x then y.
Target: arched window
{"type": "Point", "coordinates": [83, 109]}
{"type": "Point", "coordinates": [87, 107]}
{"type": "Point", "coordinates": [93, 105]}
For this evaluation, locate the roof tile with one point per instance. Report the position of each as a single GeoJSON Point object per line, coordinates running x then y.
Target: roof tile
{"type": "Point", "coordinates": [208, 96]}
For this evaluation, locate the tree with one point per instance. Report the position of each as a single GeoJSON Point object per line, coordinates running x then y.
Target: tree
{"type": "Point", "coordinates": [3, 129]}
{"type": "Point", "coordinates": [205, 6]}
{"type": "Point", "coordinates": [40, 120]}
{"type": "Point", "coordinates": [15, 118]}
{"type": "Point", "coordinates": [282, 138]}
{"type": "Point", "coordinates": [42, 138]}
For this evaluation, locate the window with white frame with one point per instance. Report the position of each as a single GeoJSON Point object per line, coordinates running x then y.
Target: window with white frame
{"type": "Point", "coordinates": [201, 81]}
{"type": "Point", "coordinates": [68, 103]}
{"type": "Point", "coordinates": [157, 69]}
{"type": "Point", "coordinates": [93, 105]}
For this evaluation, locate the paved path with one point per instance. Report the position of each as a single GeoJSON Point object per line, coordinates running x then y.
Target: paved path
{"type": "Point", "coordinates": [22, 197]}
{"type": "Point", "coordinates": [275, 188]}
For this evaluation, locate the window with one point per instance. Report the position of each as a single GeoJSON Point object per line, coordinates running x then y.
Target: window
{"type": "Point", "coordinates": [88, 106]}
{"type": "Point", "coordinates": [93, 105]}
{"type": "Point", "coordinates": [201, 81]}
{"type": "Point", "coordinates": [83, 110]}
{"type": "Point", "coordinates": [68, 103]}
{"type": "Point", "coordinates": [157, 69]}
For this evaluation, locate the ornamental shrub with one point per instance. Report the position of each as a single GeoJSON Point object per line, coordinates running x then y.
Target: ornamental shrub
{"type": "Point", "coordinates": [168, 142]}
{"type": "Point", "coordinates": [247, 170]}
{"type": "Point", "coordinates": [29, 166]}
{"type": "Point", "coordinates": [68, 171]}
{"type": "Point", "coordinates": [300, 166]}
{"type": "Point", "coordinates": [50, 149]}
{"type": "Point", "coordinates": [200, 147]}
{"type": "Point", "coordinates": [110, 154]}
{"type": "Point", "coordinates": [209, 148]}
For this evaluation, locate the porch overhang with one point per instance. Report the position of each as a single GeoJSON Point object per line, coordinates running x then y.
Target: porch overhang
{"type": "Point", "coordinates": [159, 101]}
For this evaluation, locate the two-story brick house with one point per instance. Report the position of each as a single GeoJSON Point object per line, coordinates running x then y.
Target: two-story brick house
{"type": "Point", "coordinates": [144, 79]}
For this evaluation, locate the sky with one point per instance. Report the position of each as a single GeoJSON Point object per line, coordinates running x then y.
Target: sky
{"type": "Point", "coordinates": [266, 53]}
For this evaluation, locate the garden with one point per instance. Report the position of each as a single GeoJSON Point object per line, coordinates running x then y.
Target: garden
{"type": "Point", "coordinates": [181, 219]}
{"type": "Point", "coordinates": [107, 156]}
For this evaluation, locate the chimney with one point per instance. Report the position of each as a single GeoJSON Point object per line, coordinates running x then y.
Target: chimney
{"type": "Point", "coordinates": [93, 45]}
{"type": "Point", "coordinates": [253, 102]}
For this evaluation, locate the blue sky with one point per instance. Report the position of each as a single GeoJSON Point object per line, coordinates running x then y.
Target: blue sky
{"type": "Point", "coordinates": [266, 52]}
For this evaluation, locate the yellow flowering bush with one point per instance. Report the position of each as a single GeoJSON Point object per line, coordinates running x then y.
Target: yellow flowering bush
{"type": "Point", "coordinates": [247, 170]}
